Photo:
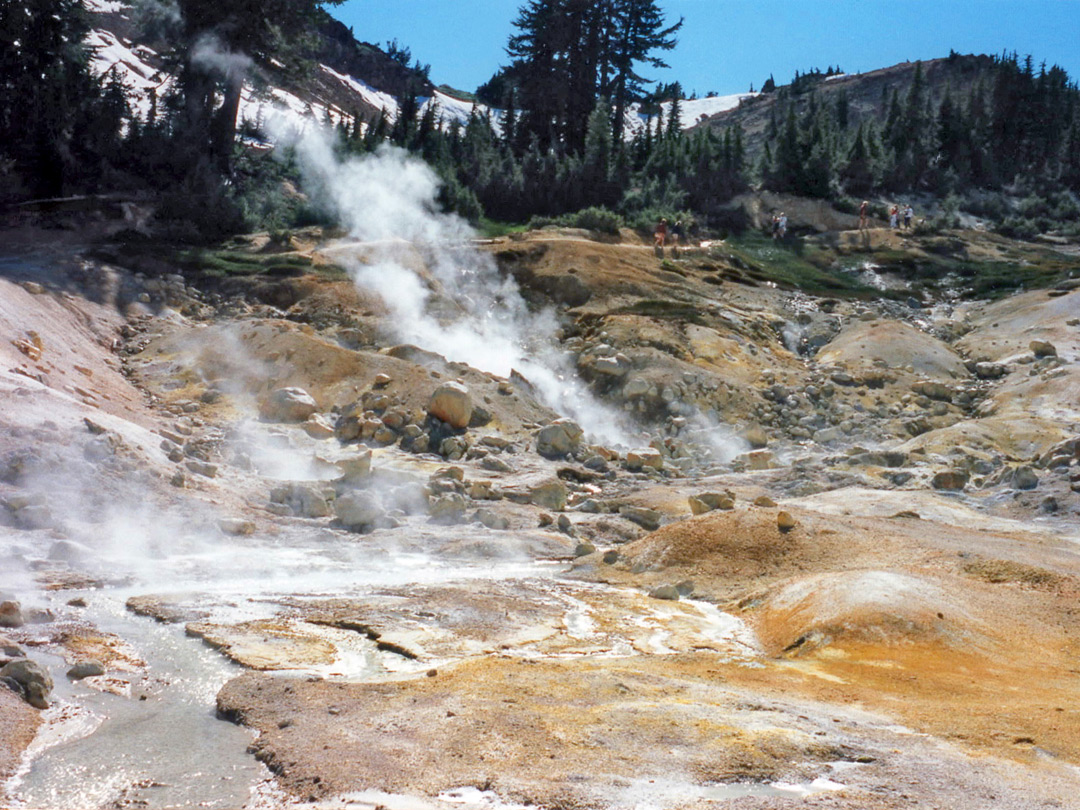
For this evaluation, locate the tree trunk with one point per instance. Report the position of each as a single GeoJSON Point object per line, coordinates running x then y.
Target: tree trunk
{"type": "Point", "coordinates": [223, 135]}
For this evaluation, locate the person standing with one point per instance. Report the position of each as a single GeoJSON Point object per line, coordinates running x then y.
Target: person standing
{"type": "Point", "coordinates": [660, 235]}
{"type": "Point", "coordinates": [894, 217]}
{"type": "Point", "coordinates": [909, 213]}
{"type": "Point", "coordinates": [864, 209]}
{"type": "Point", "coordinates": [677, 236]}
{"type": "Point", "coordinates": [783, 225]}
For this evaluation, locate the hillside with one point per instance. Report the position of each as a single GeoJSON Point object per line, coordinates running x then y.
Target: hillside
{"type": "Point", "coordinates": [867, 95]}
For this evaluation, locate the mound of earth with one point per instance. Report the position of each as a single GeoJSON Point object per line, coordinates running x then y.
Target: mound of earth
{"type": "Point", "coordinates": [895, 346]}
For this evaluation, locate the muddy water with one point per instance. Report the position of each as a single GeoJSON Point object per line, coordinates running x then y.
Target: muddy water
{"type": "Point", "coordinates": [149, 736]}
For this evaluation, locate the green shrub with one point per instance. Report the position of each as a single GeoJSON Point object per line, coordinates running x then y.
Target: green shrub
{"type": "Point", "coordinates": [597, 219]}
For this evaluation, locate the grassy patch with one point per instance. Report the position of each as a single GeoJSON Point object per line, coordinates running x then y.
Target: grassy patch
{"type": "Point", "coordinates": [492, 229]}
{"type": "Point", "coordinates": [227, 263]}
{"type": "Point", "coordinates": [793, 263]}
{"type": "Point", "coordinates": [668, 310]}
{"type": "Point", "coordinates": [1006, 571]}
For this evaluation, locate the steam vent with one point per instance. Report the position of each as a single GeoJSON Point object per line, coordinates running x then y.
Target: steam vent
{"type": "Point", "coordinates": [580, 443]}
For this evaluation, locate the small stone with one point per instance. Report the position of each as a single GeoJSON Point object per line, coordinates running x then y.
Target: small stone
{"type": "Point", "coordinates": [11, 614]}
{"type": "Point", "coordinates": [549, 494]}
{"type": "Point", "coordinates": [611, 557]}
{"type": "Point", "coordinates": [382, 380]}
{"type": "Point", "coordinates": [491, 520]}
{"type": "Point", "coordinates": [686, 587]}
{"type": "Point", "coordinates": [559, 439]}
{"type": "Point", "coordinates": [203, 468]}
{"type": "Point", "coordinates": [237, 527]}
{"type": "Point", "coordinates": [785, 521]}
{"type": "Point", "coordinates": [584, 549]}
{"type": "Point", "coordinates": [765, 501]}
{"type": "Point", "coordinates": [86, 669]}
{"type": "Point", "coordinates": [666, 592]}
{"type": "Point", "coordinates": [449, 508]}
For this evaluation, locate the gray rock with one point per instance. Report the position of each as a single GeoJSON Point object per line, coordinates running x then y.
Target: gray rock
{"type": "Point", "coordinates": [86, 669]}
{"type": "Point", "coordinates": [643, 517]}
{"type": "Point", "coordinates": [1024, 477]}
{"type": "Point", "coordinates": [666, 592]}
{"type": "Point", "coordinates": [492, 520]}
{"type": "Point", "coordinates": [559, 439]}
{"type": "Point", "coordinates": [449, 508]}
{"type": "Point", "coordinates": [358, 509]}
{"type": "Point", "coordinates": [951, 480]}
{"type": "Point", "coordinates": [584, 549]}
{"type": "Point", "coordinates": [288, 405]}
{"type": "Point", "coordinates": [495, 464]}
{"type": "Point", "coordinates": [34, 679]}
{"type": "Point", "coordinates": [304, 500]}
{"type": "Point", "coordinates": [549, 494]}
{"type": "Point", "coordinates": [11, 614]}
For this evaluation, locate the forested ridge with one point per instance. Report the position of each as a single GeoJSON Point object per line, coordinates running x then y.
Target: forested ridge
{"type": "Point", "coordinates": [996, 136]}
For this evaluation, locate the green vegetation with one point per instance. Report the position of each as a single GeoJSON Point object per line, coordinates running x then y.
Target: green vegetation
{"type": "Point", "coordinates": [225, 263]}
{"type": "Point", "coordinates": [793, 263]}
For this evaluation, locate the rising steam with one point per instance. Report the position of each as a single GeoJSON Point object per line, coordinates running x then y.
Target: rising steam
{"type": "Point", "coordinates": [414, 256]}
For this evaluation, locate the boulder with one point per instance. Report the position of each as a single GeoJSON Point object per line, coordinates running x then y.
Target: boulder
{"type": "Point", "coordinates": [559, 439]}
{"type": "Point", "coordinates": [358, 509]}
{"type": "Point", "coordinates": [86, 669]}
{"type": "Point", "coordinates": [33, 678]}
{"type": "Point", "coordinates": [644, 457]}
{"type": "Point", "coordinates": [933, 390]}
{"type": "Point", "coordinates": [11, 614]}
{"type": "Point", "coordinates": [951, 480]}
{"type": "Point", "coordinates": [1024, 477]}
{"type": "Point", "coordinates": [584, 549]}
{"type": "Point", "coordinates": [708, 501]}
{"type": "Point", "coordinates": [990, 371]}
{"type": "Point", "coordinates": [356, 468]}
{"type": "Point", "coordinates": [237, 527]}
{"type": "Point", "coordinates": [449, 508]}
{"type": "Point", "coordinates": [1041, 348]}
{"type": "Point", "coordinates": [764, 501]}
{"type": "Point", "coordinates": [318, 426]}
{"type": "Point", "coordinates": [549, 494]}
{"type": "Point", "coordinates": [494, 521]}
{"type": "Point", "coordinates": [452, 404]}
{"type": "Point", "coordinates": [645, 518]}
{"type": "Point", "coordinates": [288, 405]}
{"type": "Point", "coordinates": [304, 500]}
{"type": "Point", "coordinates": [609, 366]}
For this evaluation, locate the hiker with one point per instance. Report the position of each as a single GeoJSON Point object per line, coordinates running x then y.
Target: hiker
{"type": "Point", "coordinates": [894, 217]}
{"type": "Point", "coordinates": [864, 209]}
{"type": "Point", "coordinates": [660, 236]}
{"type": "Point", "coordinates": [908, 214]}
{"type": "Point", "coordinates": [677, 234]}
{"type": "Point", "coordinates": [775, 226]}
{"type": "Point", "coordinates": [783, 225]}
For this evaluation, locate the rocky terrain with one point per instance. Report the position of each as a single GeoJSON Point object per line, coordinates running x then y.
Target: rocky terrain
{"type": "Point", "coordinates": [783, 544]}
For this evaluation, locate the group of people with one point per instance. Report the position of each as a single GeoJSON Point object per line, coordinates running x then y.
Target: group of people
{"type": "Point", "coordinates": [779, 225]}
{"type": "Point", "coordinates": [899, 216]}
{"type": "Point", "coordinates": [673, 235]}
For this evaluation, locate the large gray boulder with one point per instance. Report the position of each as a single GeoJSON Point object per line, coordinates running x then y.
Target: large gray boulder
{"type": "Point", "coordinates": [359, 509]}
{"type": "Point", "coordinates": [559, 439]}
{"type": "Point", "coordinates": [302, 499]}
{"type": "Point", "coordinates": [452, 404]}
{"type": "Point", "coordinates": [288, 405]}
{"type": "Point", "coordinates": [34, 679]}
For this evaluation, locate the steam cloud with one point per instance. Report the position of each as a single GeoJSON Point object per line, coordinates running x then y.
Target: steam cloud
{"type": "Point", "coordinates": [211, 54]}
{"type": "Point", "coordinates": [422, 257]}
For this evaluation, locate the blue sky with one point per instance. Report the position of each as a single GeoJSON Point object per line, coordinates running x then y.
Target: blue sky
{"type": "Point", "coordinates": [726, 45]}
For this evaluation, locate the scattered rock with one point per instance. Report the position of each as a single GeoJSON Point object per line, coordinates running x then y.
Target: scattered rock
{"type": "Point", "coordinates": [86, 669]}
{"type": "Point", "coordinates": [452, 404]}
{"type": "Point", "coordinates": [34, 679]}
{"type": "Point", "coordinates": [449, 508]}
{"type": "Point", "coordinates": [666, 592]}
{"type": "Point", "coordinates": [237, 527]}
{"type": "Point", "coordinates": [288, 405]}
{"type": "Point", "coordinates": [584, 549]}
{"type": "Point", "coordinates": [1024, 477]}
{"type": "Point", "coordinates": [318, 427]}
{"type": "Point", "coordinates": [785, 521]}
{"type": "Point", "coordinates": [951, 480]}
{"type": "Point", "coordinates": [358, 510]}
{"type": "Point", "coordinates": [645, 457]}
{"type": "Point", "coordinates": [303, 499]}
{"type": "Point", "coordinates": [765, 501]}
{"type": "Point", "coordinates": [559, 439]}
{"type": "Point", "coordinates": [1041, 348]}
{"type": "Point", "coordinates": [11, 614]}
{"type": "Point", "coordinates": [549, 494]}
{"type": "Point", "coordinates": [492, 520]}
{"type": "Point", "coordinates": [646, 518]}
